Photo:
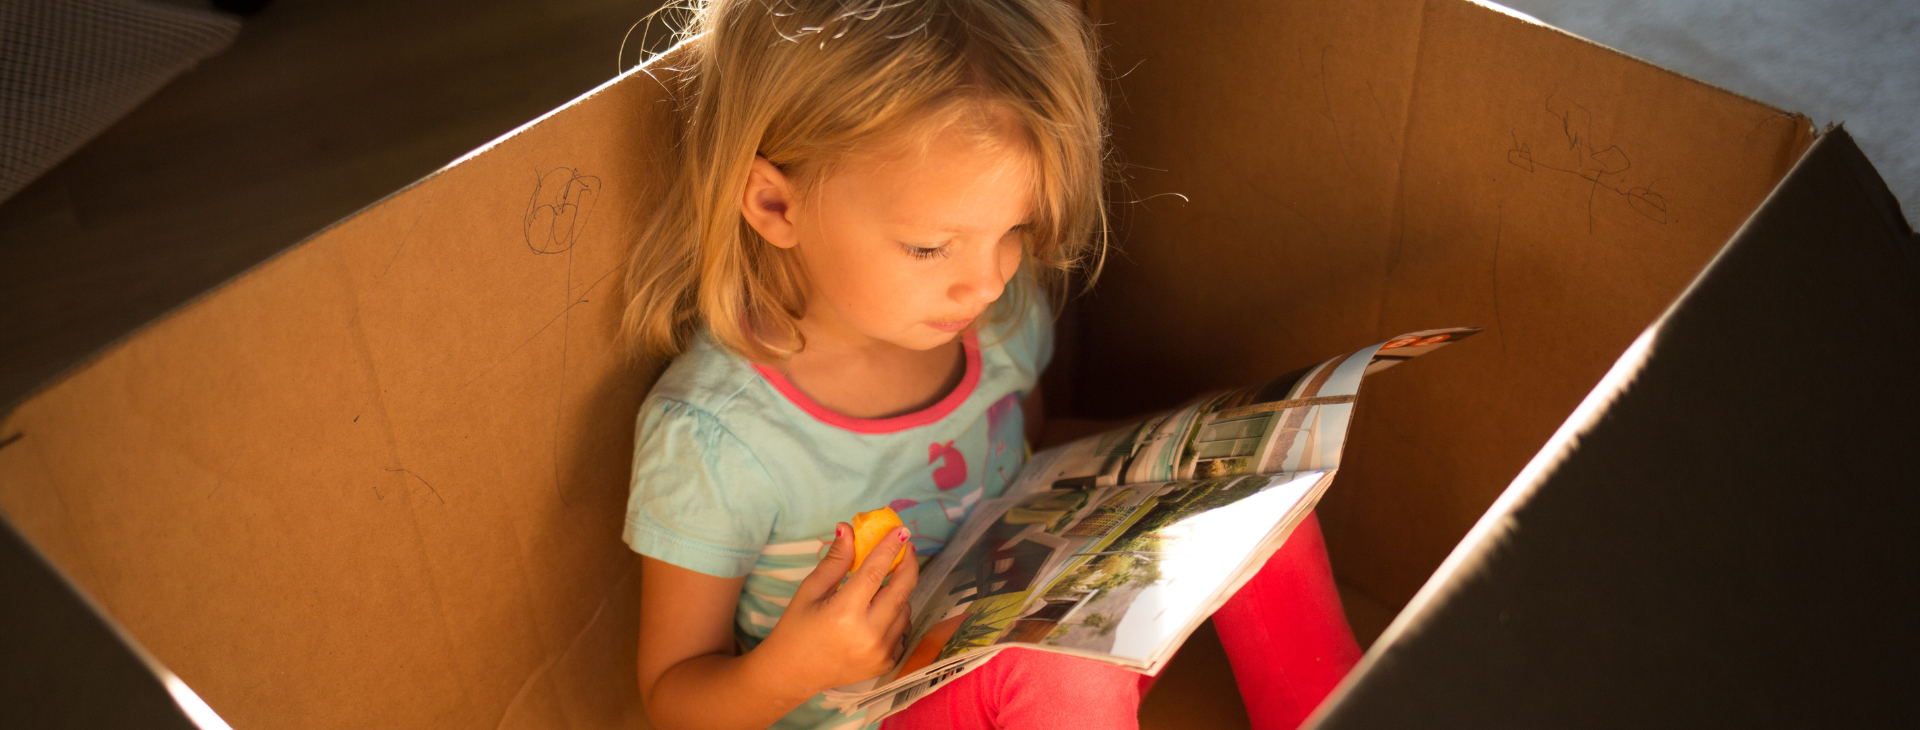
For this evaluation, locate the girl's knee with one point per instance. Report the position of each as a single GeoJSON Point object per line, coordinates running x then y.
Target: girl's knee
{"type": "Point", "coordinates": [1066, 676]}
{"type": "Point", "coordinates": [1042, 689]}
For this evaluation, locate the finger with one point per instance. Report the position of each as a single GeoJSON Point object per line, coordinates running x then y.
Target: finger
{"type": "Point", "coordinates": [831, 568]}
{"type": "Point", "coordinates": [866, 581]}
{"type": "Point", "coordinates": [897, 590]}
{"type": "Point", "coordinates": [897, 636]}
{"type": "Point", "coordinates": [898, 629]}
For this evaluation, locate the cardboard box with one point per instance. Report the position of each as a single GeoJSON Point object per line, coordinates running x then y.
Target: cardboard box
{"type": "Point", "coordinates": [1721, 533]}
{"type": "Point", "coordinates": [378, 481]}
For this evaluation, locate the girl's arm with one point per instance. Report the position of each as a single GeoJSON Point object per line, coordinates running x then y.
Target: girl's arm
{"type": "Point", "coordinates": [686, 654]}
{"type": "Point", "coordinates": [831, 634]}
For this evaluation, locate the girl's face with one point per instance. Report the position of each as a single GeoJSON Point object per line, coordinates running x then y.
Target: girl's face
{"type": "Point", "coordinates": [905, 248]}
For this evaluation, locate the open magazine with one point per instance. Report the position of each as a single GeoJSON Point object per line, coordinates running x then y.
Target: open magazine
{"type": "Point", "coordinates": [1117, 546]}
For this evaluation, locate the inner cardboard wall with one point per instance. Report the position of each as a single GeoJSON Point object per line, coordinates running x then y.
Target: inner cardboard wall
{"type": "Point", "coordinates": [1355, 170]}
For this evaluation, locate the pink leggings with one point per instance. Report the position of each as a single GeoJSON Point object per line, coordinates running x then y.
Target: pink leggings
{"type": "Point", "coordinates": [1284, 633]}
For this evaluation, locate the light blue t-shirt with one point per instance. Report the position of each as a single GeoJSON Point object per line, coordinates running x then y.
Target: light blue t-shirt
{"type": "Point", "coordinates": [737, 472]}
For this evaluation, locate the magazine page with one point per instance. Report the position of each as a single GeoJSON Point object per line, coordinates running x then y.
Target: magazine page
{"type": "Point", "coordinates": [881, 704]}
{"type": "Point", "coordinates": [1119, 545]}
{"type": "Point", "coordinates": [1296, 422]}
{"type": "Point", "coordinates": [1120, 573]}
{"type": "Point", "coordinates": [1156, 558]}
{"type": "Point", "coordinates": [970, 592]}
{"type": "Point", "coordinates": [969, 596]}
{"type": "Point", "coordinates": [931, 602]}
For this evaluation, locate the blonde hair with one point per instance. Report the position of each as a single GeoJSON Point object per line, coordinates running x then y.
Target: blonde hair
{"type": "Point", "coordinates": [806, 83]}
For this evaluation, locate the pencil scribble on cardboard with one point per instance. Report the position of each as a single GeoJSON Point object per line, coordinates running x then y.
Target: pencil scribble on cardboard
{"type": "Point", "coordinates": [557, 319]}
{"type": "Point", "coordinates": [1340, 131]}
{"type": "Point", "coordinates": [1603, 168]}
{"type": "Point", "coordinates": [556, 216]}
{"type": "Point", "coordinates": [220, 479]}
{"type": "Point", "coordinates": [436, 492]}
{"type": "Point", "coordinates": [557, 211]}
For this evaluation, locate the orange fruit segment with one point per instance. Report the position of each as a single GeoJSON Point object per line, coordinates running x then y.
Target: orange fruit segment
{"type": "Point", "coordinates": [869, 528]}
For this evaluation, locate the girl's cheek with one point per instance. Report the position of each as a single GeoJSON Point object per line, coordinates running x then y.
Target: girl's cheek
{"type": "Point", "coordinates": [914, 297]}
{"type": "Point", "coordinates": [892, 296]}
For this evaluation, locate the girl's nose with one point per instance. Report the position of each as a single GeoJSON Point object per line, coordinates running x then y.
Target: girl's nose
{"type": "Point", "coordinates": [983, 276]}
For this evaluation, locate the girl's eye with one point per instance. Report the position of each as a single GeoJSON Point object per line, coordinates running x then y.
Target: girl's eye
{"type": "Point", "coordinates": [923, 252]}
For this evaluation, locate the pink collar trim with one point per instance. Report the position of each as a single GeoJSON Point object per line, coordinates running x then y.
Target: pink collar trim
{"type": "Point", "coordinates": [969, 342]}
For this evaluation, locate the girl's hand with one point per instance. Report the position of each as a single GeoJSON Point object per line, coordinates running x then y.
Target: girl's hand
{"type": "Point", "coordinates": [835, 633]}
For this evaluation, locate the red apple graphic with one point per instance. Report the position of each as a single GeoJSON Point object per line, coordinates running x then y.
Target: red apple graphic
{"type": "Point", "coordinates": [953, 465]}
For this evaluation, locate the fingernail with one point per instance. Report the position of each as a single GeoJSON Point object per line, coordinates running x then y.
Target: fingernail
{"type": "Point", "coordinates": [904, 534]}
{"type": "Point", "coordinates": [839, 531]}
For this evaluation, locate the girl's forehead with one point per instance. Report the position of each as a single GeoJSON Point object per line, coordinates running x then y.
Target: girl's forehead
{"type": "Point", "coordinates": [956, 193]}
{"type": "Point", "coordinates": [955, 183]}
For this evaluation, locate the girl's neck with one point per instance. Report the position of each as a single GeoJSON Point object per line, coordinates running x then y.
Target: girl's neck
{"type": "Point", "coordinates": [862, 377]}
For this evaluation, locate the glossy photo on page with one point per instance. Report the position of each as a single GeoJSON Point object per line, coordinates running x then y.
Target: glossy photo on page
{"type": "Point", "coordinates": [1118, 545]}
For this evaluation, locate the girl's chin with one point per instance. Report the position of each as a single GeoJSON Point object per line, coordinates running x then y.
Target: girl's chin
{"type": "Point", "coordinates": [924, 338]}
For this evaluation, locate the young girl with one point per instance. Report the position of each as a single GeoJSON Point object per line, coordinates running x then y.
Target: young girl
{"type": "Point", "coordinates": [873, 195]}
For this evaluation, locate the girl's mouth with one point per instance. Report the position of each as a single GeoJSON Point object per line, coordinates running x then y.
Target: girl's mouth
{"type": "Point", "coordinates": [954, 326]}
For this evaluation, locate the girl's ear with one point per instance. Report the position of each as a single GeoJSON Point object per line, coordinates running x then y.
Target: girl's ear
{"type": "Point", "coordinates": [767, 203]}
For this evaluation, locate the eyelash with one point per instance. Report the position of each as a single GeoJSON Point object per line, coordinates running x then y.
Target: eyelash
{"type": "Point", "coordinates": [923, 253]}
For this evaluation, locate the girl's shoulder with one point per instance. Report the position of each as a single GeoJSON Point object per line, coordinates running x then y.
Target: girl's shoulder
{"type": "Point", "coordinates": [706, 378]}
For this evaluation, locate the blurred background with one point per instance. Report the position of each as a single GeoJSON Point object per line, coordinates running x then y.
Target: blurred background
{"type": "Point", "coordinates": [151, 149]}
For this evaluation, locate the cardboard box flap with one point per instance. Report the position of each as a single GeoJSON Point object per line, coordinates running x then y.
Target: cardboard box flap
{"type": "Point", "coordinates": [1721, 534]}
{"type": "Point", "coordinates": [1354, 170]}
{"type": "Point", "coordinates": [379, 480]}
